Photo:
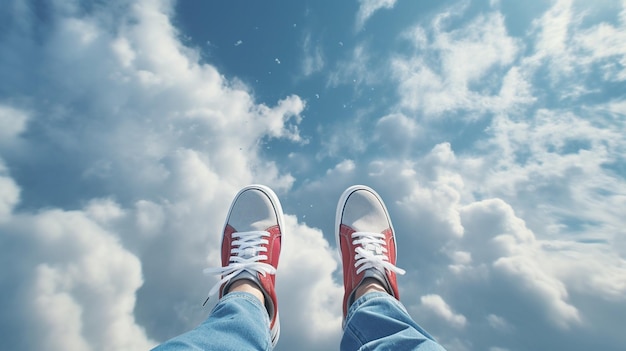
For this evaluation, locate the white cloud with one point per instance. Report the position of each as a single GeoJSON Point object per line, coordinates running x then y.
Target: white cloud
{"type": "Point", "coordinates": [344, 167]}
{"type": "Point", "coordinates": [397, 132]}
{"type": "Point", "coordinates": [76, 284]}
{"type": "Point", "coordinates": [9, 193]}
{"type": "Point", "coordinates": [150, 217]}
{"type": "Point", "coordinates": [498, 323]}
{"type": "Point", "coordinates": [554, 32]}
{"type": "Point", "coordinates": [341, 139]}
{"type": "Point", "coordinates": [604, 45]}
{"type": "Point", "coordinates": [436, 305]}
{"type": "Point", "coordinates": [357, 70]}
{"type": "Point", "coordinates": [13, 122]}
{"type": "Point", "coordinates": [573, 50]}
{"type": "Point", "coordinates": [368, 7]}
{"type": "Point", "coordinates": [563, 152]}
{"type": "Point", "coordinates": [525, 273]}
{"type": "Point", "coordinates": [538, 272]}
{"type": "Point", "coordinates": [313, 60]}
{"type": "Point", "coordinates": [124, 52]}
{"type": "Point", "coordinates": [437, 82]}
{"type": "Point", "coordinates": [277, 117]}
{"type": "Point", "coordinates": [104, 210]}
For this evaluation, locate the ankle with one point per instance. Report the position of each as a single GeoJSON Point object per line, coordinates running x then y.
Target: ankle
{"type": "Point", "coordinates": [248, 286]}
{"type": "Point", "coordinates": [367, 286]}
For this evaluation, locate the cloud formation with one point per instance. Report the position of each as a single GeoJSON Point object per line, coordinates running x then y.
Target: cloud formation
{"type": "Point", "coordinates": [75, 285]}
{"type": "Point", "coordinates": [440, 75]}
{"type": "Point", "coordinates": [368, 7]}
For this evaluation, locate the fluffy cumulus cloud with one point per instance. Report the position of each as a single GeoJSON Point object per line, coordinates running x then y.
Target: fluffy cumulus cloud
{"type": "Point", "coordinates": [72, 284]}
{"type": "Point", "coordinates": [438, 306]}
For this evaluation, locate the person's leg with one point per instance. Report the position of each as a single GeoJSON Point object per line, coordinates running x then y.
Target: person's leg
{"type": "Point", "coordinates": [377, 321]}
{"type": "Point", "coordinates": [238, 322]}
{"type": "Point", "coordinates": [374, 318]}
{"type": "Point", "coordinates": [246, 317]}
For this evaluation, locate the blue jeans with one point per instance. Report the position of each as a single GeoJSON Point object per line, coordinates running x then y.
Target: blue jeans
{"type": "Point", "coordinates": [376, 321]}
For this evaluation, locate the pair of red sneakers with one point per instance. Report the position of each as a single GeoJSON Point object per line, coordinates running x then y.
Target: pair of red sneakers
{"type": "Point", "coordinates": [254, 230]}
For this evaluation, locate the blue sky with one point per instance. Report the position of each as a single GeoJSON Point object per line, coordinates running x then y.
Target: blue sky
{"type": "Point", "coordinates": [494, 130]}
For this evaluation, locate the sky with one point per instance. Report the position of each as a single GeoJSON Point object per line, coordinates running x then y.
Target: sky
{"type": "Point", "coordinates": [495, 131]}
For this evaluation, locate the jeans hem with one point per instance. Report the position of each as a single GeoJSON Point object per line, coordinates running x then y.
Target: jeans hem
{"type": "Point", "coordinates": [372, 296]}
{"type": "Point", "coordinates": [248, 297]}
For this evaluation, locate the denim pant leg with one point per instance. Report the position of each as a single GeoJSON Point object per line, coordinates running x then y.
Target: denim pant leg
{"type": "Point", "coordinates": [377, 321]}
{"type": "Point", "coordinates": [238, 322]}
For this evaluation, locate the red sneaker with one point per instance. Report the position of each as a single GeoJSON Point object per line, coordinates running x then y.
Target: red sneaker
{"type": "Point", "coordinates": [366, 242]}
{"type": "Point", "coordinates": [251, 246]}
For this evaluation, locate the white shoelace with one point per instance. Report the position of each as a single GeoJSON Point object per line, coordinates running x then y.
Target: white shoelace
{"type": "Point", "coordinates": [372, 253]}
{"type": "Point", "coordinates": [246, 252]}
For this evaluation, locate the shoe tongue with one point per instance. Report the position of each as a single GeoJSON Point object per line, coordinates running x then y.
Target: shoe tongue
{"type": "Point", "coordinates": [375, 249]}
{"type": "Point", "coordinates": [376, 274]}
{"type": "Point", "coordinates": [248, 252]}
